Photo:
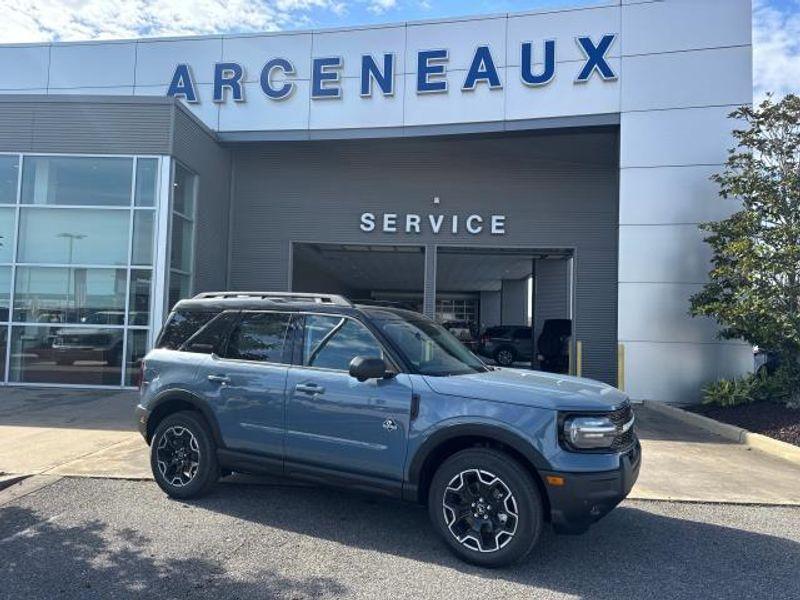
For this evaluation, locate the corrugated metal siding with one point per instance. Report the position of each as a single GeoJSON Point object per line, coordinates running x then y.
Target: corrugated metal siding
{"type": "Point", "coordinates": [316, 191]}
{"type": "Point", "coordinates": [195, 147]}
{"type": "Point", "coordinates": [86, 127]}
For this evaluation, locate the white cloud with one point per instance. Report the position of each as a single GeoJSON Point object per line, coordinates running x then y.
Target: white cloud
{"type": "Point", "coordinates": [776, 48]}
{"type": "Point", "coordinates": [46, 20]}
{"type": "Point", "coordinates": [381, 6]}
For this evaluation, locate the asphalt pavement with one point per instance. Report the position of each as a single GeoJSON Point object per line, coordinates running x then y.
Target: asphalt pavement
{"type": "Point", "coordinates": [101, 538]}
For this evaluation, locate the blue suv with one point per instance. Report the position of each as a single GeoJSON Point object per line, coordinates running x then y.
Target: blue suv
{"type": "Point", "coordinates": [382, 399]}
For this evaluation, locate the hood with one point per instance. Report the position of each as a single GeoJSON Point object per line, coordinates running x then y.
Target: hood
{"type": "Point", "coordinates": [531, 388]}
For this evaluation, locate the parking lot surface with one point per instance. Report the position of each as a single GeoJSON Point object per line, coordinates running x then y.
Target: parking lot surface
{"type": "Point", "coordinates": [93, 538]}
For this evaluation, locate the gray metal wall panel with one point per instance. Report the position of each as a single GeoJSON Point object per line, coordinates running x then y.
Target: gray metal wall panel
{"type": "Point", "coordinates": [557, 191]}
{"type": "Point", "coordinates": [196, 148]}
{"type": "Point", "coordinates": [88, 127]}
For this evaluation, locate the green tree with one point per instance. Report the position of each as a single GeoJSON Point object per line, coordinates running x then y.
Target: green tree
{"type": "Point", "coordinates": [754, 287]}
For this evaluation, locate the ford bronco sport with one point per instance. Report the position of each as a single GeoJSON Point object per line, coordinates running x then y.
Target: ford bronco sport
{"type": "Point", "coordinates": [382, 399]}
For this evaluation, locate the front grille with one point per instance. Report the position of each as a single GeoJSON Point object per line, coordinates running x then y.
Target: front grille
{"type": "Point", "coordinates": [620, 417]}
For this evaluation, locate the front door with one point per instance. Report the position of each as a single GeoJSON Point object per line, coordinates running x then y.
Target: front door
{"type": "Point", "coordinates": [335, 423]}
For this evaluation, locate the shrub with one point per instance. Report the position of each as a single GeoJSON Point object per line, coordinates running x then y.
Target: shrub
{"type": "Point", "coordinates": [780, 386]}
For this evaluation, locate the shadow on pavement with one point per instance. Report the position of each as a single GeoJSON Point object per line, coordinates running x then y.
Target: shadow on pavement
{"type": "Point", "coordinates": [655, 426]}
{"type": "Point", "coordinates": [44, 559]}
{"type": "Point", "coordinates": [68, 409]}
{"type": "Point", "coordinates": [632, 553]}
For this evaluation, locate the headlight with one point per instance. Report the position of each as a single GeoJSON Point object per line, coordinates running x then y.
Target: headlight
{"type": "Point", "coordinates": [588, 433]}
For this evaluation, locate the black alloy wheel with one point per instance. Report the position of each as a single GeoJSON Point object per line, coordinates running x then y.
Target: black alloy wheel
{"type": "Point", "coordinates": [504, 357]}
{"type": "Point", "coordinates": [486, 506]}
{"type": "Point", "coordinates": [183, 456]}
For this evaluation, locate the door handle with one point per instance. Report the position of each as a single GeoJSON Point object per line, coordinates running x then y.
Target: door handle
{"type": "Point", "coordinates": [223, 379]}
{"type": "Point", "coordinates": [309, 388]}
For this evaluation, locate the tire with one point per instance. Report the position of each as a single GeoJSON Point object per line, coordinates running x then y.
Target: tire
{"type": "Point", "coordinates": [516, 535]}
{"type": "Point", "coordinates": [184, 480]}
{"type": "Point", "coordinates": [505, 357]}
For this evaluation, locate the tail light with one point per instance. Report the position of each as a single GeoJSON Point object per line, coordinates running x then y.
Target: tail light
{"type": "Point", "coordinates": [138, 378]}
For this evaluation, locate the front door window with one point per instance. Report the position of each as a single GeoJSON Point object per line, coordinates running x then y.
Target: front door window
{"type": "Point", "coordinates": [332, 342]}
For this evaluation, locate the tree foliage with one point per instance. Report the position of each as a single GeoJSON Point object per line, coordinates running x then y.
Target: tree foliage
{"type": "Point", "coordinates": [754, 287]}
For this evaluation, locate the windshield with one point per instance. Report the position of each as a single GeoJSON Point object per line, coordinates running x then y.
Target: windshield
{"type": "Point", "coordinates": [430, 348]}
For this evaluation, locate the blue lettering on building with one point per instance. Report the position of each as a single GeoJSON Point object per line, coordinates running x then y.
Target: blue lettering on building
{"type": "Point", "coordinates": [268, 72]}
{"type": "Point", "coordinates": [431, 71]}
{"type": "Point", "coordinates": [378, 73]}
{"type": "Point", "coordinates": [325, 77]}
{"type": "Point", "coordinates": [182, 84]}
{"type": "Point", "coordinates": [482, 69]}
{"type": "Point", "coordinates": [371, 73]}
{"type": "Point", "coordinates": [228, 76]}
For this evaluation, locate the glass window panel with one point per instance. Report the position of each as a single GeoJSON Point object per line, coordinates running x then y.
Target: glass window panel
{"type": "Point", "coordinates": [137, 348]}
{"type": "Point", "coordinates": [181, 246]}
{"type": "Point", "coordinates": [63, 180]}
{"type": "Point", "coordinates": [146, 177]}
{"type": "Point", "coordinates": [140, 297]}
{"type": "Point", "coordinates": [5, 294]}
{"type": "Point", "coordinates": [67, 236]}
{"type": "Point", "coordinates": [142, 237]}
{"type": "Point", "coordinates": [9, 169]}
{"type": "Point", "coordinates": [183, 193]}
{"type": "Point", "coordinates": [332, 342]}
{"type": "Point", "coordinates": [70, 295]}
{"type": "Point", "coordinates": [7, 216]}
{"type": "Point", "coordinates": [181, 326]}
{"type": "Point", "coordinates": [179, 288]}
{"type": "Point", "coordinates": [259, 337]}
{"type": "Point", "coordinates": [71, 355]}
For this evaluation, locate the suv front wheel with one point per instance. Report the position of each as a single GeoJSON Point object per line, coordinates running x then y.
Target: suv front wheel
{"type": "Point", "coordinates": [183, 456]}
{"type": "Point", "coordinates": [486, 506]}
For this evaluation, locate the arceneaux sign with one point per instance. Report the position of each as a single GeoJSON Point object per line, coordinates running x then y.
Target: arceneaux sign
{"type": "Point", "coordinates": [277, 83]}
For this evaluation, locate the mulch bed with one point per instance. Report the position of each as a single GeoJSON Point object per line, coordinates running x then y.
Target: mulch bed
{"type": "Point", "coordinates": [767, 418]}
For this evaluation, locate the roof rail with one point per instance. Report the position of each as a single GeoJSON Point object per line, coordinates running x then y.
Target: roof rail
{"type": "Point", "coordinates": [277, 296]}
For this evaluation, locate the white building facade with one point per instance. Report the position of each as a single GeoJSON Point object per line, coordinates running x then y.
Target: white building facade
{"type": "Point", "coordinates": [655, 79]}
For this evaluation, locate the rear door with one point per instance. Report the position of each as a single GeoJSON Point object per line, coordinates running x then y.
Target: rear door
{"type": "Point", "coordinates": [246, 382]}
{"type": "Point", "coordinates": [336, 424]}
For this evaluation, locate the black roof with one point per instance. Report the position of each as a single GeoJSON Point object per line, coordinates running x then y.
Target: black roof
{"type": "Point", "coordinates": [318, 303]}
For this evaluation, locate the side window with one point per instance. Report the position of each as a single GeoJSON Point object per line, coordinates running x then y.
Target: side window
{"type": "Point", "coordinates": [181, 326]}
{"type": "Point", "coordinates": [332, 342]}
{"type": "Point", "coordinates": [260, 337]}
{"type": "Point", "coordinates": [522, 334]}
{"type": "Point", "coordinates": [210, 339]}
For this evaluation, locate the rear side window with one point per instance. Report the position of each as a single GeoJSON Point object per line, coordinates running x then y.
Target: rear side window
{"type": "Point", "coordinates": [212, 337]}
{"type": "Point", "coordinates": [181, 326]}
{"type": "Point", "coordinates": [259, 337]}
{"type": "Point", "coordinates": [522, 334]}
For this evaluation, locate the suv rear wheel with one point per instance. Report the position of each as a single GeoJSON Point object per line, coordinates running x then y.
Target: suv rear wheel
{"type": "Point", "coordinates": [183, 456]}
{"type": "Point", "coordinates": [486, 506]}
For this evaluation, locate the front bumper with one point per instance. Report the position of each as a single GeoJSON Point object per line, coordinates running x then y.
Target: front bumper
{"type": "Point", "coordinates": [142, 414]}
{"type": "Point", "coordinates": [585, 498]}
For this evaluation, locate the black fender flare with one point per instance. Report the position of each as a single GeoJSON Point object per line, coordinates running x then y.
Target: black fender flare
{"type": "Point", "coordinates": [197, 403]}
{"type": "Point", "coordinates": [490, 431]}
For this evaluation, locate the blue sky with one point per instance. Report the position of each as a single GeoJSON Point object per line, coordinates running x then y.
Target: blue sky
{"type": "Point", "coordinates": [776, 23]}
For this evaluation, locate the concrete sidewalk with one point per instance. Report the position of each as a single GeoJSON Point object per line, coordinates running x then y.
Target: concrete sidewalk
{"type": "Point", "coordinates": [92, 434]}
{"type": "Point", "coordinates": [70, 432]}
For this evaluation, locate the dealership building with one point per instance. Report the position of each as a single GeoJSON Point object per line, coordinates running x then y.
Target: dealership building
{"type": "Point", "coordinates": [487, 171]}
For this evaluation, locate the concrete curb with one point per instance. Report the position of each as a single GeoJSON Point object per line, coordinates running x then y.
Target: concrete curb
{"type": "Point", "coordinates": [759, 442]}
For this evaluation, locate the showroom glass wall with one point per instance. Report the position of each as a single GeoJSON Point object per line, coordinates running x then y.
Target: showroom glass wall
{"type": "Point", "coordinates": [77, 266]}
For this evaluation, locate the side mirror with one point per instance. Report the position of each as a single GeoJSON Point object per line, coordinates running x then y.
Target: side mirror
{"type": "Point", "coordinates": [364, 367]}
